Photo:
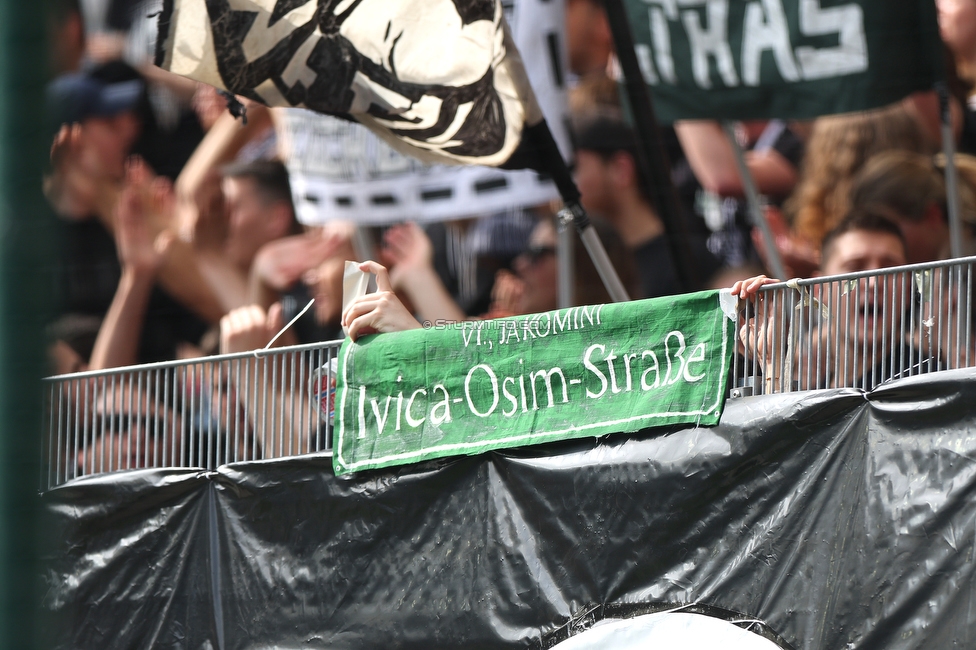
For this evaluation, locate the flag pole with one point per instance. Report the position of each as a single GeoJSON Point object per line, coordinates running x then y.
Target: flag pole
{"type": "Point", "coordinates": [566, 280]}
{"type": "Point", "coordinates": [652, 159]}
{"type": "Point", "coordinates": [775, 262]}
{"type": "Point", "coordinates": [573, 212]}
{"type": "Point", "coordinates": [951, 174]}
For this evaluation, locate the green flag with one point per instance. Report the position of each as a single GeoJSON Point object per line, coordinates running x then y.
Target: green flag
{"type": "Point", "coordinates": [470, 387]}
{"type": "Point", "coordinates": [794, 59]}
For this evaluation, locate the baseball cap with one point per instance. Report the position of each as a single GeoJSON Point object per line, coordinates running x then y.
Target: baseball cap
{"type": "Point", "coordinates": [77, 96]}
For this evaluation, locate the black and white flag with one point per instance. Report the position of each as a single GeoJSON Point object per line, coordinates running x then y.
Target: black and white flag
{"type": "Point", "coordinates": [438, 79]}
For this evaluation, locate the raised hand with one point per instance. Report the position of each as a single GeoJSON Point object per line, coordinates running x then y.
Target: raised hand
{"type": "Point", "coordinates": [281, 263]}
{"type": "Point", "coordinates": [408, 252]}
{"type": "Point", "coordinates": [140, 250]}
{"type": "Point", "coordinates": [376, 312]}
{"type": "Point", "coordinates": [249, 328]}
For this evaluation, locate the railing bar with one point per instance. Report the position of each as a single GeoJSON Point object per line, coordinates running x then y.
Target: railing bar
{"type": "Point", "coordinates": [861, 349]}
{"type": "Point", "coordinates": [887, 324]}
{"type": "Point", "coordinates": [847, 338]}
{"type": "Point", "coordinates": [85, 430]}
{"type": "Point", "coordinates": [882, 361]}
{"type": "Point", "coordinates": [247, 395]}
{"type": "Point", "coordinates": [325, 424]}
{"type": "Point", "coordinates": [773, 343]}
{"type": "Point", "coordinates": [894, 334]}
{"type": "Point", "coordinates": [95, 434]}
{"type": "Point", "coordinates": [263, 417]}
{"type": "Point", "coordinates": [129, 411]}
{"type": "Point", "coordinates": [224, 425]}
{"type": "Point", "coordinates": [196, 415]}
{"type": "Point", "coordinates": [805, 337]}
{"type": "Point", "coordinates": [186, 440]}
{"type": "Point", "coordinates": [259, 354]}
{"type": "Point", "coordinates": [60, 434]}
{"type": "Point", "coordinates": [315, 399]}
{"type": "Point", "coordinates": [141, 395]}
{"type": "Point", "coordinates": [233, 389]}
{"type": "Point", "coordinates": [784, 381]}
{"type": "Point", "coordinates": [213, 422]}
{"type": "Point", "coordinates": [149, 401]}
{"type": "Point", "coordinates": [876, 368]}
{"type": "Point", "coordinates": [329, 426]}
{"type": "Point", "coordinates": [955, 300]}
{"type": "Point", "coordinates": [77, 429]}
{"type": "Point", "coordinates": [291, 398]}
{"type": "Point", "coordinates": [860, 327]}
{"type": "Point", "coordinates": [50, 457]}
{"type": "Point", "coordinates": [736, 327]}
{"type": "Point", "coordinates": [171, 416]}
{"type": "Point", "coordinates": [946, 339]}
{"type": "Point", "coordinates": [911, 327]}
{"type": "Point", "coordinates": [866, 379]}
{"type": "Point", "coordinates": [115, 419]}
{"type": "Point", "coordinates": [274, 407]}
{"type": "Point", "coordinates": [833, 334]}
{"type": "Point", "coordinates": [761, 381]}
{"type": "Point", "coordinates": [969, 310]}
{"type": "Point", "coordinates": [817, 342]}
{"type": "Point", "coordinates": [303, 381]}
{"type": "Point", "coordinates": [938, 325]}
{"type": "Point", "coordinates": [154, 421]}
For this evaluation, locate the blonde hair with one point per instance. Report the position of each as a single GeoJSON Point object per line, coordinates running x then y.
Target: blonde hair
{"type": "Point", "coordinates": [838, 148]}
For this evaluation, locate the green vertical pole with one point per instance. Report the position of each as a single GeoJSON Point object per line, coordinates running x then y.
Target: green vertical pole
{"type": "Point", "coordinates": [23, 294]}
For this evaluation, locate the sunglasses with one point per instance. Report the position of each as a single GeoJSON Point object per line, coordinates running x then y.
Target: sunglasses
{"type": "Point", "coordinates": [536, 253]}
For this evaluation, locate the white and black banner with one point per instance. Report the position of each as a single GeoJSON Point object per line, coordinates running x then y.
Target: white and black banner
{"type": "Point", "coordinates": [341, 170]}
{"type": "Point", "coordinates": [440, 80]}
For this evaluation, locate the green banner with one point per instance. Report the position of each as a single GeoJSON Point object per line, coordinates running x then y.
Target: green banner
{"type": "Point", "coordinates": [466, 388]}
{"type": "Point", "coordinates": [796, 59]}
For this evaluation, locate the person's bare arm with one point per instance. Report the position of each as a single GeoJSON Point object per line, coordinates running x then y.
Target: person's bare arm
{"type": "Point", "coordinates": [205, 285]}
{"type": "Point", "coordinates": [140, 254]}
{"type": "Point", "coordinates": [712, 158]}
{"type": "Point", "coordinates": [279, 264]}
{"type": "Point", "coordinates": [219, 146]}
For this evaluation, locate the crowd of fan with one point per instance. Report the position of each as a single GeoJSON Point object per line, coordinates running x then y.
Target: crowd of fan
{"type": "Point", "coordinates": [178, 237]}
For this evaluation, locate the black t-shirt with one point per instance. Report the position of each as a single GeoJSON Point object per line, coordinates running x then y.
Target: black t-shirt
{"type": "Point", "coordinates": [307, 328]}
{"type": "Point", "coordinates": [87, 274]}
{"type": "Point", "coordinates": [655, 266]}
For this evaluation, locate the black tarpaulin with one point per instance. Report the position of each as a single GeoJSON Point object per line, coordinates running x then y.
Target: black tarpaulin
{"type": "Point", "coordinates": [835, 519]}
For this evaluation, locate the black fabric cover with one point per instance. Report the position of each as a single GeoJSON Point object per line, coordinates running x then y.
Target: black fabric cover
{"type": "Point", "coordinates": [839, 519]}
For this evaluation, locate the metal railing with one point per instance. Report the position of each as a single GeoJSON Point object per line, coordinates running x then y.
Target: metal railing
{"type": "Point", "coordinates": [856, 330]}
{"type": "Point", "coordinates": [202, 413]}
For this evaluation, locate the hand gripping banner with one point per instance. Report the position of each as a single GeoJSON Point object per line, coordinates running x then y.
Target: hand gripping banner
{"type": "Point", "coordinates": [439, 79]}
